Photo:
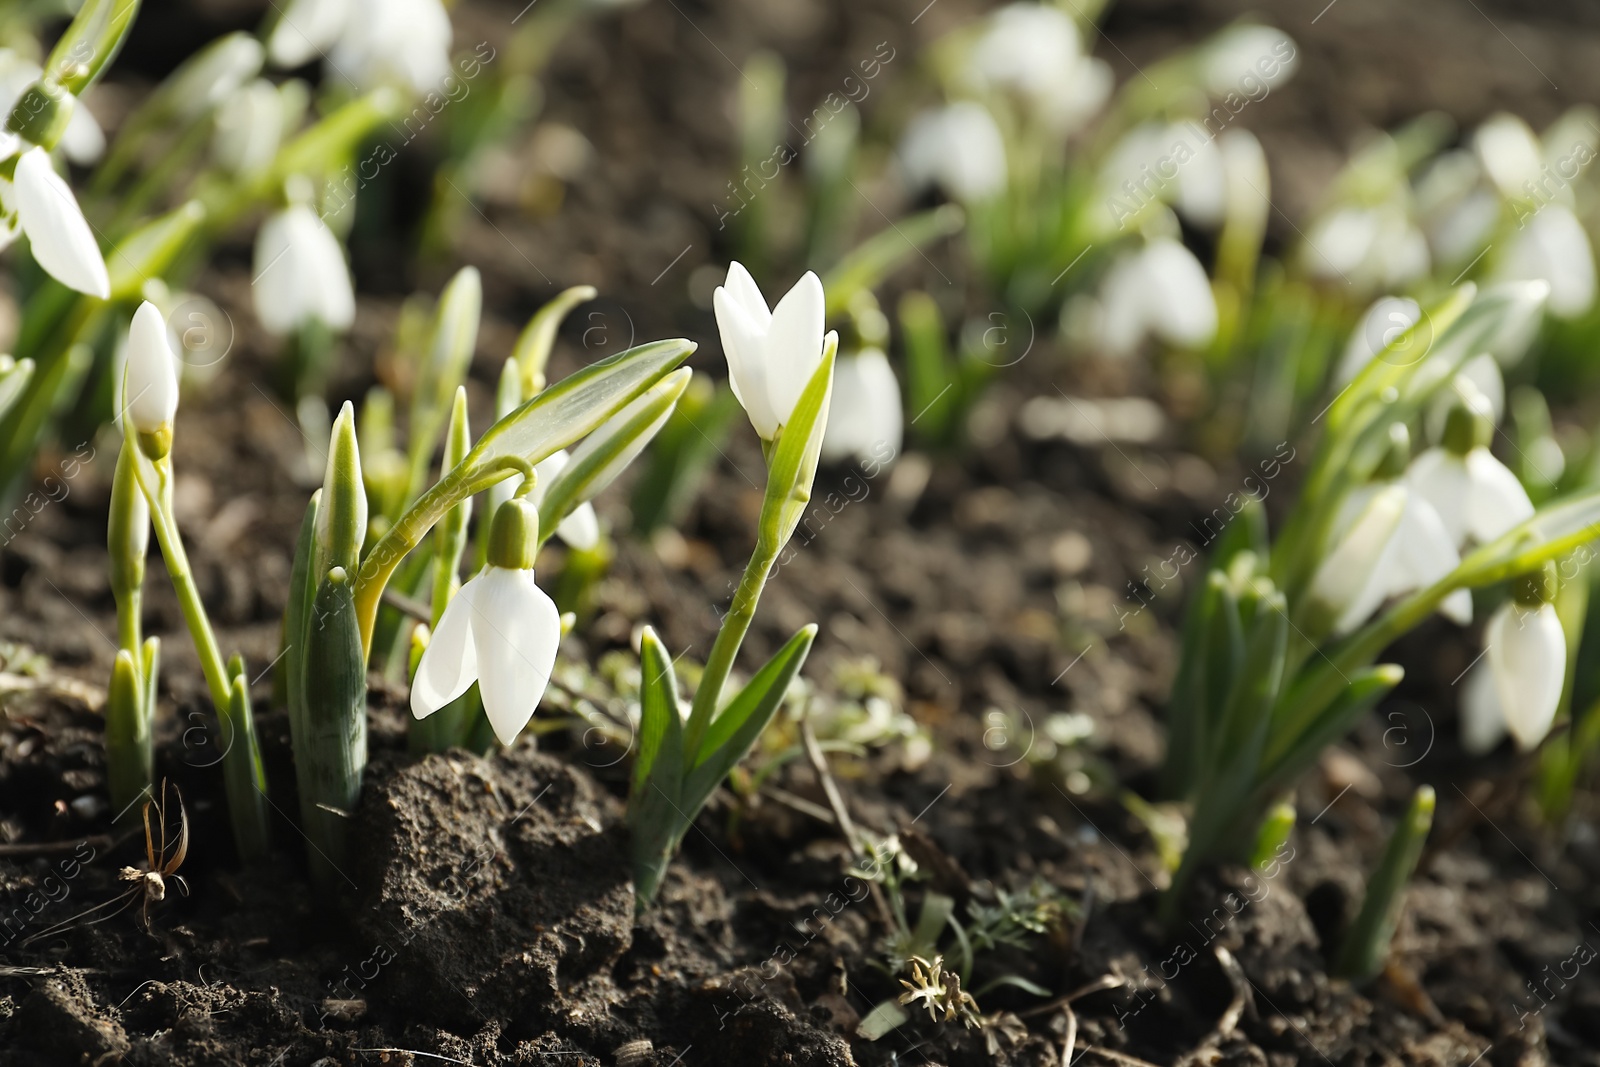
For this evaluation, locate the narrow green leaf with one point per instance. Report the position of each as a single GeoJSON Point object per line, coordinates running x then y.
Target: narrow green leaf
{"type": "Point", "coordinates": [607, 452]}
{"type": "Point", "coordinates": [1366, 945]}
{"type": "Point", "coordinates": [865, 266]}
{"type": "Point", "coordinates": [731, 733]}
{"type": "Point", "coordinates": [660, 723]}
{"type": "Point", "coordinates": [794, 461]}
{"type": "Point", "coordinates": [533, 346]}
{"type": "Point", "coordinates": [149, 251]}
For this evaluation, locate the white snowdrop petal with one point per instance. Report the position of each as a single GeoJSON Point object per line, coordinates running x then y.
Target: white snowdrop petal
{"type": "Point", "coordinates": [60, 236]}
{"type": "Point", "coordinates": [1497, 501]}
{"type": "Point", "coordinates": [1528, 654]}
{"type": "Point", "coordinates": [1440, 477]}
{"type": "Point", "coordinates": [865, 420]}
{"type": "Point", "coordinates": [1202, 194]}
{"type": "Point", "coordinates": [151, 385]}
{"type": "Point", "coordinates": [1509, 152]}
{"type": "Point", "coordinates": [83, 141]}
{"type": "Point", "coordinates": [1385, 322]}
{"type": "Point", "coordinates": [306, 29]}
{"type": "Point", "coordinates": [794, 345]}
{"type": "Point", "coordinates": [743, 346]}
{"type": "Point", "coordinates": [743, 289]}
{"type": "Point", "coordinates": [515, 629]}
{"type": "Point", "coordinates": [1356, 570]}
{"type": "Point", "coordinates": [1245, 56]}
{"type": "Point", "coordinates": [581, 527]}
{"type": "Point", "coordinates": [450, 662]}
{"type": "Point", "coordinates": [1483, 724]}
{"type": "Point", "coordinates": [959, 148]}
{"type": "Point", "coordinates": [1457, 607]}
{"type": "Point", "coordinates": [1123, 304]}
{"type": "Point", "coordinates": [1182, 309]}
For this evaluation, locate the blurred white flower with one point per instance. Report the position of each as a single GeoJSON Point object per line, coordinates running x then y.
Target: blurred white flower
{"type": "Point", "coordinates": [1369, 247]}
{"type": "Point", "coordinates": [41, 204]}
{"type": "Point", "coordinates": [1248, 183]}
{"type": "Point", "coordinates": [1483, 722]}
{"type": "Point", "coordinates": [1160, 290]}
{"type": "Point", "coordinates": [959, 149]}
{"type": "Point", "coordinates": [865, 418]}
{"type": "Point", "coordinates": [1247, 55]}
{"type": "Point", "coordinates": [249, 128]}
{"type": "Point", "coordinates": [771, 354]}
{"type": "Point", "coordinates": [370, 42]}
{"type": "Point", "coordinates": [300, 274]}
{"type": "Point", "coordinates": [1384, 323]}
{"type": "Point", "coordinates": [1035, 51]}
{"type": "Point", "coordinates": [1552, 246]}
{"type": "Point", "coordinates": [1477, 498]}
{"type": "Point", "coordinates": [1510, 154]}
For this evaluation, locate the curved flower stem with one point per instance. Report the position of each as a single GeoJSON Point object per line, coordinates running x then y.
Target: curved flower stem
{"type": "Point", "coordinates": [726, 649]}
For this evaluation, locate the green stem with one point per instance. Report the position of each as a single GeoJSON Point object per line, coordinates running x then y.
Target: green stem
{"type": "Point", "coordinates": [729, 639]}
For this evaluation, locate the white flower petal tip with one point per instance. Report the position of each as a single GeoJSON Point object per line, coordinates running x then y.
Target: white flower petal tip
{"type": "Point", "coordinates": [1476, 497]}
{"type": "Point", "coordinates": [502, 631]}
{"type": "Point", "coordinates": [151, 385]}
{"type": "Point", "coordinates": [1528, 657]}
{"type": "Point", "coordinates": [771, 355]}
{"type": "Point", "coordinates": [62, 241]}
{"type": "Point", "coordinates": [865, 417]}
{"type": "Point", "coordinates": [300, 274]}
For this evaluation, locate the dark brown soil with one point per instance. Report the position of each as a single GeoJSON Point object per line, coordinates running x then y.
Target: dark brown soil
{"type": "Point", "coordinates": [488, 917]}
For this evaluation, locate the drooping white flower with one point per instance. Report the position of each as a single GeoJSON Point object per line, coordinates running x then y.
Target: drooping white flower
{"type": "Point", "coordinates": [300, 274]}
{"type": "Point", "coordinates": [1509, 152]}
{"type": "Point", "coordinates": [865, 420]}
{"type": "Point", "coordinates": [1418, 553]}
{"type": "Point", "coordinates": [500, 630]}
{"type": "Point", "coordinates": [959, 149]}
{"type": "Point", "coordinates": [150, 386]}
{"type": "Point", "coordinates": [1035, 51]}
{"type": "Point", "coordinates": [771, 354]}
{"type": "Point", "coordinates": [1476, 497]}
{"type": "Point", "coordinates": [368, 42]}
{"type": "Point", "coordinates": [1245, 56]}
{"type": "Point", "coordinates": [1554, 247]}
{"type": "Point", "coordinates": [1375, 247]}
{"type": "Point", "coordinates": [1248, 183]}
{"type": "Point", "coordinates": [1415, 552]}
{"type": "Point", "coordinates": [249, 128]}
{"type": "Point", "coordinates": [1483, 721]}
{"type": "Point", "coordinates": [61, 240]}
{"type": "Point", "coordinates": [1527, 654]}
{"type": "Point", "coordinates": [1159, 290]}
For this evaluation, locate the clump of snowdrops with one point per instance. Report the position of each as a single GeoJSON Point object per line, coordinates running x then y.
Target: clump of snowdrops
{"type": "Point", "coordinates": [481, 662]}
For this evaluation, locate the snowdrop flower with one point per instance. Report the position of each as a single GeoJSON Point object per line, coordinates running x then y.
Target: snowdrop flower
{"type": "Point", "coordinates": [372, 42]}
{"type": "Point", "coordinates": [959, 149]}
{"type": "Point", "coordinates": [1155, 162]}
{"type": "Point", "coordinates": [501, 631]}
{"type": "Point", "coordinates": [150, 385]}
{"type": "Point", "coordinates": [41, 204]}
{"type": "Point", "coordinates": [301, 274]}
{"type": "Point", "coordinates": [1373, 247]}
{"type": "Point", "coordinates": [580, 529]}
{"type": "Point", "coordinates": [1247, 58]}
{"type": "Point", "coordinates": [1160, 289]}
{"type": "Point", "coordinates": [1526, 659]}
{"type": "Point", "coordinates": [1475, 495]}
{"type": "Point", "coordinates": [865, 420]}
{"type": "Point", "coordinates": [249, 128]}
{"type": "Point", "coordinates": [1035, 51]}
{"type": "Point", "coordinates": [771, 354]}
{"type": "Point", "coordinates": [1248, 184]}
{"type": "Point", "coordinates": [1510, 154]}
{"type": "Point", "coordinates": [1552, 246]}
{"type": "Point", "coordinates": [1396, 545]}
